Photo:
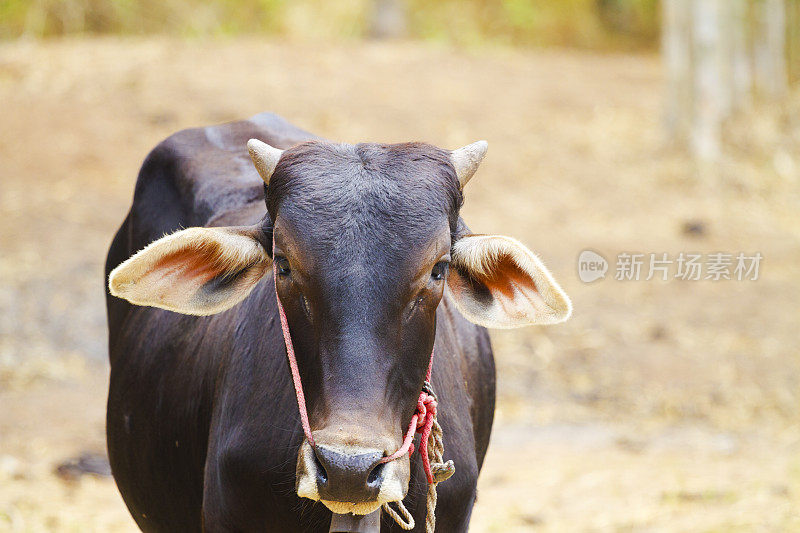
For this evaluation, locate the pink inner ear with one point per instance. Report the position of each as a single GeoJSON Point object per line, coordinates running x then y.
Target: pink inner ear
{"type": "Point", "coordinates": [506, 278]}
{"type": "Point", "coordinates": [513, 288]}
{"type": "Point", "coordinates": [191, 264]}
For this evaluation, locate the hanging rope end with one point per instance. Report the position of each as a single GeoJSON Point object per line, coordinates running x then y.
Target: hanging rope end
{"type": "Point", "coordinates": [443, 471]}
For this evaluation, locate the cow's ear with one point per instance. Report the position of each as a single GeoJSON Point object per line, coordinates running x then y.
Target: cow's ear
{"type": "Point", "coordinates": [498, 283]}
{"type": "Point", "coordinates": [196, 271]}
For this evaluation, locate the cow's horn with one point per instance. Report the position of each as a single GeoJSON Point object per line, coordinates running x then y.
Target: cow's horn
{"type": "Point", "coordinates": [264, 157]}
{"type": "Point", "coordinates": [466, 160]}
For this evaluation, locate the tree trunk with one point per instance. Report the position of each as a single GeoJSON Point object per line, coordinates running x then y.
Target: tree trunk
{"type": "Point", "coordinates": [388, 19]}
{"type": "Point", "coordinates": [793, 21]}
{"type": "Point", "coordinates": [740, 67]}
{"type": "Point", "coordinates": [676, 44]}
{"type": "Point", "coordinates": [770, 53]}
{"type": "Point", "coordinates": [710, 92]}
{"type": "Point", "coordinates": [717, 54]}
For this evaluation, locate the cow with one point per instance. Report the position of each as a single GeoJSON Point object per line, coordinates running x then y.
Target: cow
{"type": "Point", "coordinates": [364, 248]}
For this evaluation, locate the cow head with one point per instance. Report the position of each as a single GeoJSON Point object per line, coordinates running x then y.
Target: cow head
{"type": "Point", "coordinates": [367, 239]}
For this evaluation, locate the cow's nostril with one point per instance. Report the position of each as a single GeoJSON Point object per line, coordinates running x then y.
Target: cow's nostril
{"type": "Point", "coordinates": [376, 474]}
{"type": "Point", "coordinates": [348, 477]}
{"type": "Point", "coordinates": [322, 474]}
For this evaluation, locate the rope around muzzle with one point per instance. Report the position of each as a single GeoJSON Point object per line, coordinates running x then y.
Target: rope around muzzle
{"type": "Point", "coordinates": [423, 421]}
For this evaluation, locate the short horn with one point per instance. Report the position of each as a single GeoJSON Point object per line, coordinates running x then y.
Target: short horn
{"type": "Point", "coordinates": [467, 159]}
{"type": "Point", "coordinates": [264, 157]}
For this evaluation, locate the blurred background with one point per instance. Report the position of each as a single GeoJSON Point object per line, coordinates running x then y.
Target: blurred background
{"type": "Point", "coordinates": [632, 126]}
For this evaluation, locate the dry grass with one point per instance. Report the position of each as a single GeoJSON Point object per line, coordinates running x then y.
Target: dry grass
{"type": "Point", "coordinates": [659, 407]}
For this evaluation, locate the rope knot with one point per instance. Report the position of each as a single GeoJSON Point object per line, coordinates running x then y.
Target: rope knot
{"type": "Point", "coordinates": [426, 408]}
{"type": "Point", "coordinates": [431, 449]}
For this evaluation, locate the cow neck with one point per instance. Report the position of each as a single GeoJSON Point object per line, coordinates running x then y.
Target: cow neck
{"type": "Point", "coordinates": [421, 421]}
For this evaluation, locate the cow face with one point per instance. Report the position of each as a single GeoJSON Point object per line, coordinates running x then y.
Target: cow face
{"type": "Point", "coordinates": [366, 242]}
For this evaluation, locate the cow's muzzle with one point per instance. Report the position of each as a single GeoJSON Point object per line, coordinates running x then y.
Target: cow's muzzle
{"type": "Point", "coordinates": [348, 478]}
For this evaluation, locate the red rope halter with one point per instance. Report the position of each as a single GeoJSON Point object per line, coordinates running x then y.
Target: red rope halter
{"type": "Point", "coordinates": [421, 421]}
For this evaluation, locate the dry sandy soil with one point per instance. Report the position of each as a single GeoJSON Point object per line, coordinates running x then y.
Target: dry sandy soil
{"type": "Point", "coordinates": [661, 406]}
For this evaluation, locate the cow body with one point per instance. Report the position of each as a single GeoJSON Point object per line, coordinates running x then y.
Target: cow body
{"type": "Point", "coordinates": [203, 428]}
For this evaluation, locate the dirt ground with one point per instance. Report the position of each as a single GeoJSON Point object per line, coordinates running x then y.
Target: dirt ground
{"type": "Point", "coordinates": [661, 406]}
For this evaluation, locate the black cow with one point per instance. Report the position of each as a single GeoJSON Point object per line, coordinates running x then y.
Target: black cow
{"type": "Point", "coordinates": [374, 267]}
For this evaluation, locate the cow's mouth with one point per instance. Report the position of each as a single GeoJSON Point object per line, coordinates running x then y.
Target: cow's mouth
{"type": "Point", "coordinates": [358, 509]}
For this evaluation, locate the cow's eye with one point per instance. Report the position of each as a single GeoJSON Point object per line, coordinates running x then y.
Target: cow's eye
{"type": "Point", "coordinates": [439, 271]}
{"type": "Point", "coordinates": [282, 265]}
